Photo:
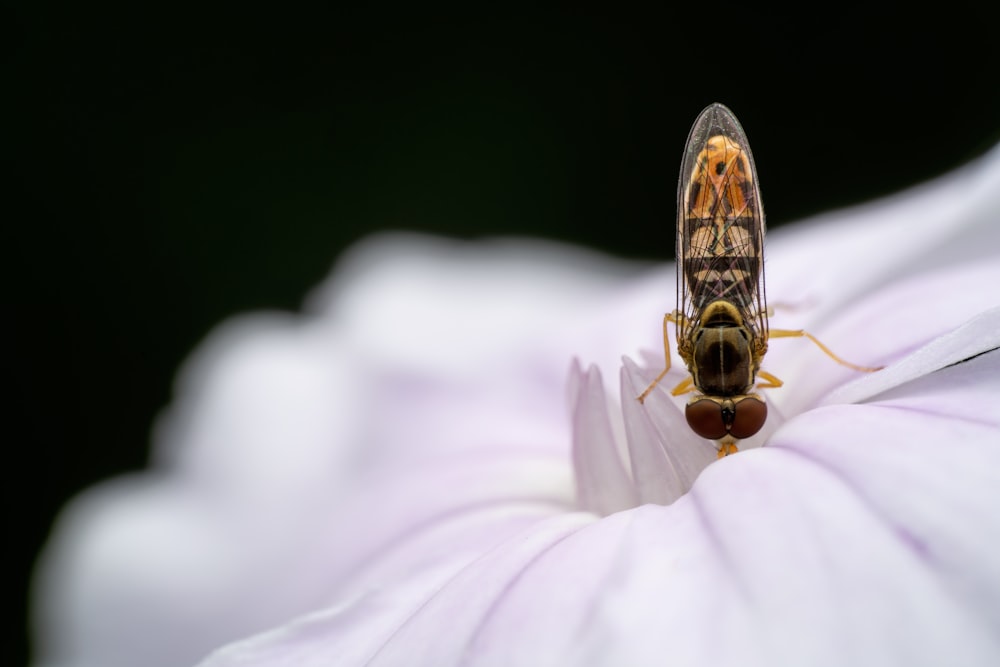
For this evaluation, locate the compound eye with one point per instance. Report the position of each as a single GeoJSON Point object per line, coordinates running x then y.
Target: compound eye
{"type": "Point", "coordinates": [704, 416]}
{"type": "Point", "coordinates": [750, 415]}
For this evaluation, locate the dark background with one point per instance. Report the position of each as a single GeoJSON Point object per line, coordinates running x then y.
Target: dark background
{"type": "Point", "coordinates": [172, 169]}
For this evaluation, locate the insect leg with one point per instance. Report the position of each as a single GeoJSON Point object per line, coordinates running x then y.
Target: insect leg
{"type": "Point", "coordinates": [772, 381]}
{"type": "Point", "coordinates": [684, 387]}
{"type": "Point", "coordinates": [799, 333]}
{"type": "Point", "coordinates": [669, 317]}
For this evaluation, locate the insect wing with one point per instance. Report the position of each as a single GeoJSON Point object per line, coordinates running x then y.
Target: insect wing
{"type": "Point", "coordinates": [720, 224]}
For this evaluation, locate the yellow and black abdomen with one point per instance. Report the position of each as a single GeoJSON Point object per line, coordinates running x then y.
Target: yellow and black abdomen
{"type": "Point", "coordinates": [722, 261]}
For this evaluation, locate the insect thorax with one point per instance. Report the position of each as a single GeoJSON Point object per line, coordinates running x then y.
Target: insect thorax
{"type": "Point", "coordinates": [723, 360]}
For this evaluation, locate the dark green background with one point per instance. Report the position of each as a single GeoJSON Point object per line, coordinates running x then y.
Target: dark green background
{"type": "Point", "coordinates": [171, 169]}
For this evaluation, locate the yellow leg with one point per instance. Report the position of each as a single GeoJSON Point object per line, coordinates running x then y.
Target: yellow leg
{"type": "Point", "coordinates": [799, 333]}
{"type": "Point", "coordinates": [683, 387]}
{"type": "Point", "coordinates": [674, 317]}
{"type": "Point", "coordinates": [772, 381]}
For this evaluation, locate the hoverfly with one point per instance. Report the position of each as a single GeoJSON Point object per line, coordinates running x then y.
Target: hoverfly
{"type": "Point", "coordinates": [721, 316]}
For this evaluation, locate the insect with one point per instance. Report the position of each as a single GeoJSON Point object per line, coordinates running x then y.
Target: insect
{"type": "Point", "coordinates": [721, 315]}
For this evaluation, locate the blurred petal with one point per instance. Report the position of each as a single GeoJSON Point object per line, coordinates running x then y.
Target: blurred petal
{"type": "Point", "coordinates": [275, 478]}
{"type": "Point", "coordinates": [157, 569]}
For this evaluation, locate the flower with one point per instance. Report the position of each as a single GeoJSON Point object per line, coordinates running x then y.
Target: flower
{"type": "Point", "coordinates": [393, 477]}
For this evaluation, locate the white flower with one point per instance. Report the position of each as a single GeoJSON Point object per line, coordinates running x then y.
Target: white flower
{"type": "Point", "coordinates": [395, 478]}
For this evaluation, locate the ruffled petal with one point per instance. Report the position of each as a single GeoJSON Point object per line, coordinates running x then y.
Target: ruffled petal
{"type": "Point", "coordinates": [603, 485]}
{"type": "Point", "coordinates": [666, 455]}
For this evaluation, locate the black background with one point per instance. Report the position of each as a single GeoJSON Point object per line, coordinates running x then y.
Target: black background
{"type": "Point", "coordinates": [171, 169]}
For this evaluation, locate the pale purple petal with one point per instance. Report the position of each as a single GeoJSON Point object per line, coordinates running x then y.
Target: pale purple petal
{"type": "Point", "coordinates": [783, 555]}
{"type": "Point", "coordinates": [842, 527]}
{"type": "Point", "coordinates": [884, 328]}
{"type": "Point", "coordinates": [979, 335]}
{"type": "Point", "coordinates": [775, 556]}
{"type": "Point", "coordinates": [603, 485]}
{"type": "Point", "coordinates": [928, 468]}
{"type": "Point", "coordinates": [403, 624]}
{"type": "Point", "coordinates": [390, 480]}
{"type": "Point", "coordinates": [666, 455]}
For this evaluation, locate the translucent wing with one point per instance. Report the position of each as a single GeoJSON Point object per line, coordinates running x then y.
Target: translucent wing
{"type": "Point", "coordinates": [720, 225]}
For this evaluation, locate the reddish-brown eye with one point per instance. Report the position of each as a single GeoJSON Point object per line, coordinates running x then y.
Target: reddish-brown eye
{"type": "Point", "coordinates": [750, 415]}
{"type": "Point", "coordinates": [705, 418]}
